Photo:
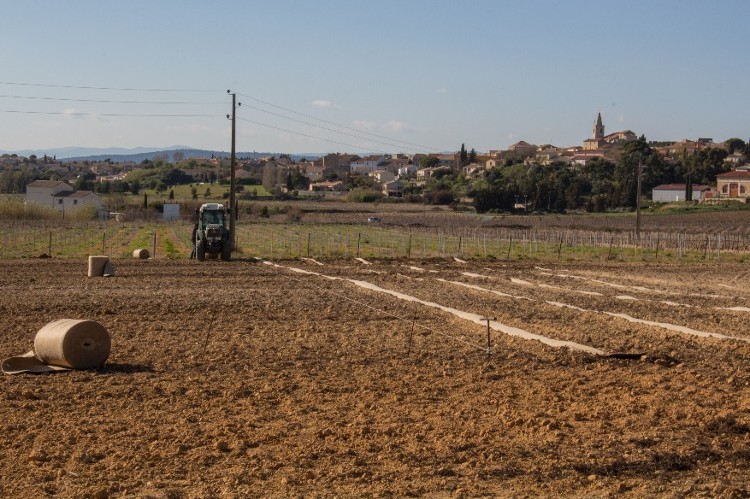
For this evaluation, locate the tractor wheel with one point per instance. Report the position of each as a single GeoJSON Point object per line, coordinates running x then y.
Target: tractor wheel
{"type": "Point", "coordinates": [200, 250]}
{"type": "Point", "coordinates": [226, 252]}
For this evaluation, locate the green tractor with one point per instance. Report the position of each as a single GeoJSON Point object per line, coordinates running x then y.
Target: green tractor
{"type": "Point", "coordinates": [212, 233]}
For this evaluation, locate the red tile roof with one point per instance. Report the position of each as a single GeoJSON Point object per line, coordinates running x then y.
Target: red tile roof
{"type": "Point", "coordinates": [735, 174]}
{"type": "Point", "coordinates": [46, 183]}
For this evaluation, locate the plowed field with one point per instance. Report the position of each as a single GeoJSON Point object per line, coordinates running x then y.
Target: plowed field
{"type": "Point", "coordinates": [248, 379]}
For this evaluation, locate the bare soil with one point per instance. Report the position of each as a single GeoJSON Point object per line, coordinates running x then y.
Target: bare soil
{"type": "Point", "coordinates": [242, 379]}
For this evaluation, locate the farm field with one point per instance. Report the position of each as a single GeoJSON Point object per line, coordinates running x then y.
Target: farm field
{"type": "Point", "coordinates": [372, 377]}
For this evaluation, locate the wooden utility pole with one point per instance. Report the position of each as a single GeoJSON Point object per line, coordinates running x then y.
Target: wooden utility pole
{"type": "Point", "coordinates": [232, 207]}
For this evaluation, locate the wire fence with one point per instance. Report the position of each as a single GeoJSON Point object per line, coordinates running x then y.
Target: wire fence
{"type": "Point", "coordinates": [305, 240]}
{"type": "Point", "coordinates": [335, 241]}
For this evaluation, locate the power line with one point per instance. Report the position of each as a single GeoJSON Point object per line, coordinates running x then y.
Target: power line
{"type": "Point", "coordinates": [309, 136]}
{"type": "Point", "coordinates": [47, 85]}
{"type": "Point", "coordinates": [76, 113]}
{"type": "Point", "coordinates": [104, 101]}
{"type": "Point", "coordinates": [336, 124]}
{"type": "Point", "coordinates": [322, 127]}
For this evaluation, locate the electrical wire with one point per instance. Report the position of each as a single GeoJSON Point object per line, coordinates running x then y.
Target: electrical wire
{"type": "Point", "coordinates": [309, 136]}
{"type": "Point", "coordinates": [47, 85]}
{"type": "Point", "coordinates": [102, 100]}
{"type": "Point", "coordinates": [109, 115]}
{"type": "Point", "coordinates": [389, 143]}
{"type": "Point", "coordinates": [336, 124]}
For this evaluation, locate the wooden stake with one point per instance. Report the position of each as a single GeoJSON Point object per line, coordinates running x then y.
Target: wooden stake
{"type": "Point", "coordinates": [489, 341]}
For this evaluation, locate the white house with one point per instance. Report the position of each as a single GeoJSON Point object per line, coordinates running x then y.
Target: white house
{"type": "Point", "coordinates": [736, 158]}
{"type": "Point", "coordinates": [42, 191]}
{"type": "Point", "coordinates": [366, 165]}
{"type": "Point", "coordinates": [60, 195]}
{"type": "Point", "coordinates": [407, 170]}
{"type": "Point", "coordinates": [383, 176]}
{"type": "Point", "coordinates": [473, 168]}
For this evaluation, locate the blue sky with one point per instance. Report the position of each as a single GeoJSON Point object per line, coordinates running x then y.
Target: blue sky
{"type": "Point", "coordinates": [382, 76]}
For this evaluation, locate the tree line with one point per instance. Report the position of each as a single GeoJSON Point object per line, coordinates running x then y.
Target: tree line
{"type": "Point", "coordinates": [599, 185]}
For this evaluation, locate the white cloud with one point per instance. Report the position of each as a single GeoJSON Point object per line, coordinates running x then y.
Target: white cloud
{"type": "Point", "coordinates": [323, 104]}
{"type": "Point", "coordinates": [364, 125]}
{"type": "Point", "coordinates": [396, 126]}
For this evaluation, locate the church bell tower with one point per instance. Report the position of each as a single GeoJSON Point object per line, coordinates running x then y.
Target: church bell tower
{"type": "Point", "coordinates": [598, 128]}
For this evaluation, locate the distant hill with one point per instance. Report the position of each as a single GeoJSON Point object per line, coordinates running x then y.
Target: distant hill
{"type": "Point", "coordinates": [138, 154]}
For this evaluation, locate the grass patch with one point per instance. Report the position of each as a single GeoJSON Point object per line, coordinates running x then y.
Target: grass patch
{"type": "Point", "coordinates": [688, 208]}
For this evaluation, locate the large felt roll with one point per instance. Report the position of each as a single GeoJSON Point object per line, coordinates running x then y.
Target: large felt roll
{"type": "Point", "coordinates": [73, 343]}
{"type": "Point", "coordinates": [97, 264]}
{"type": "Point", "coordinates": [64, 344]}
{"type": "Point", "coordinates": [141, 253]}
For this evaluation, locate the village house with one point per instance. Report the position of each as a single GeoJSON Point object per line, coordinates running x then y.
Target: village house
{"type": "Point", "coordinates": [366, 165]}
{"type": "Point", "coordinates": [313, 172]}
{"type": "Point", "coordinates": [447, 160]}
{"type": "Point", "coordinates": [335, 186]}
{"type": "Point", "coordinates": [686, 146]}
{"type": "Point", "coordinates": [522, 148]}
{"type": "Point", "coordinates": [42, 192]}
{"type": "Point", "coordinates": [547, 155]}
{"type": "Point", "coordinates": [425, 173]}
{"type": "Point", "coordinates": [583, 157]}
{"type": "Point", "coordinates": [733, 185]}
{"type": "Point", "coordinates": [493, 163]}
{"type": "Point", "coordinates": [383, 176]}
{"type": "Point", "coordinates": [337, 164]}
{"type": "Point", "coordinates": [393, 188]}
{"type": "Point", "coordinates": [407, 171]}
{"type": "Point", "coordinates": [396, 164]}
{"type": "Point", "coordinates": [736, 158]}
{"type": "Point", "coordinates": [473, 169]}
{"type": "Point", "coordinates": [60, 196]}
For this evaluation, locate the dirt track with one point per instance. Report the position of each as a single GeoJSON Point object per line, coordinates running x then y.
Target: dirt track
{"type": "Point", "coordinates": [244, 379]}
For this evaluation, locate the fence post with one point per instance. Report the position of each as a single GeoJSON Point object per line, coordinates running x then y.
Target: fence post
{"type": "Point", "coordinates": [718, 246]}
{"type": "Point", "coordinates": [359, 236]}
{"type": "Point", "coordinates": [154, 252]}
{"type": "Point", "coordinates": [510, 244]}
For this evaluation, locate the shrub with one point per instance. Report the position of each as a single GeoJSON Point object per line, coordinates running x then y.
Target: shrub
{"type": "Point", "coordinates": [363, 196]}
